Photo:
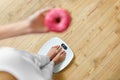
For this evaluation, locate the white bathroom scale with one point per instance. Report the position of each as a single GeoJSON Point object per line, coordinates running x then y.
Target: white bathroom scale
{"type": "Point", "coordinates": [53, 42]}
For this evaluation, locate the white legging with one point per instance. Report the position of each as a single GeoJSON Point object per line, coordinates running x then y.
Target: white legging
{"type": "Point", "coordinates": [25, 66]}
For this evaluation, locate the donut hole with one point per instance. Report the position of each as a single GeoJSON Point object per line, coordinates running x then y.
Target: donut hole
{"type": "Point", "coordinates": [57, 20]}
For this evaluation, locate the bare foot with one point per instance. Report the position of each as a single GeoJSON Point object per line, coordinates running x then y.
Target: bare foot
{"type": "Point", "coordinates": [59, 57]}
{"type": "Point", "coordinates": [54, 51]}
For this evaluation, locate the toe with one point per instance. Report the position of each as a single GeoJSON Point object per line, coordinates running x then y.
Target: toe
{"type": "Point", "coordinates": [59, 49]}
{"type": "Point", "coordinates": [55, 46]}
{"type": "Point", "coordinates": [63, 54]}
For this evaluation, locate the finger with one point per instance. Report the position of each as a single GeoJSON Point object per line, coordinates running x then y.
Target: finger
{"type": "Point", "coordinates": [45, 9]}
{"type": "Point", "coordinates": [41, 12]}
{"type": "Point", "coordinates": [43, 31]}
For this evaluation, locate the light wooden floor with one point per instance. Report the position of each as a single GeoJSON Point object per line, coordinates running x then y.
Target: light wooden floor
{"type": "Point", "coordinates": [94, 35]}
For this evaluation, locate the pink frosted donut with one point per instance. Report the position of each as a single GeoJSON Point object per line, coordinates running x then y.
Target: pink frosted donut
{"type": "Point", "coordinates": [57, 20]}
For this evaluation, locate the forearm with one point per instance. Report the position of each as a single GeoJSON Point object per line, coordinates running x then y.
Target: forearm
{"type": "Point", "coordinates": [33, 24]}
{"type": "Point", "coordinates": [15, 29]}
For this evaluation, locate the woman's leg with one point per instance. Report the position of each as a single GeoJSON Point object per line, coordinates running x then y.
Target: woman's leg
{"type": "Point", "coordinates": [47, 70]}
{"type": "Point", "coordinates": [41, 60]}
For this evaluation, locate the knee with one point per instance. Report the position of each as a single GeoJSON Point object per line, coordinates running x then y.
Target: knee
{"type": "Point", "coordinates": [6, 76]}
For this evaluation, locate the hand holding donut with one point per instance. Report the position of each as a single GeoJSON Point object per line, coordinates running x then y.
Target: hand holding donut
{"type": "Point", "coordinates": [36, 21]}
{"type": "Point", "coordinates": [49, 19]}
